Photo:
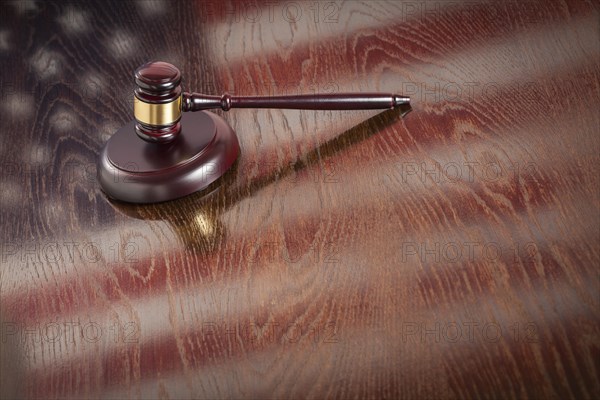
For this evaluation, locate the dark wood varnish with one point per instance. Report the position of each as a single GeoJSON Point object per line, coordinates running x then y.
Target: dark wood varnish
{"type": "Point", "coordinates": [341, 101]}
{"type": "Point", "coordinates": [453, 253]}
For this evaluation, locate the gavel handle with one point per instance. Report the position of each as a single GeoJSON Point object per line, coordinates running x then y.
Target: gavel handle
{"type": "Point", "coordinates": [340, 101]}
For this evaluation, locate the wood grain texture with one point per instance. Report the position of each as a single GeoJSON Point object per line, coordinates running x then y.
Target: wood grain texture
{"type": "Point", "coordinates": [453, 253]}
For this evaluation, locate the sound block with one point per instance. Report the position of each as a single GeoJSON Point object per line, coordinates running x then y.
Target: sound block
{"type": "Point", "coordinates": [135, 171]}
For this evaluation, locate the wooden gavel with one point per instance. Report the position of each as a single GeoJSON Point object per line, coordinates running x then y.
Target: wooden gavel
{"type": "Point", "coordinates": [159, 102]}
{"type": "Point", "coordinates": [159, 167]}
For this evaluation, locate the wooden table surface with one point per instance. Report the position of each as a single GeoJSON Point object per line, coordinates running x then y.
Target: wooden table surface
{"type": "Point", "coordinates": [451, 253]}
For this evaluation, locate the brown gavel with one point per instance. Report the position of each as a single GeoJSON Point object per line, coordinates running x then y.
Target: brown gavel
{"type": "Point", "coordinates": [160, 168]}
{"type": "Point", "coordinates": [159, 102]}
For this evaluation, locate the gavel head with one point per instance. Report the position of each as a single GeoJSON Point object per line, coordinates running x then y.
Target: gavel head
{"type": "Point", "coordinates": [157, 102]}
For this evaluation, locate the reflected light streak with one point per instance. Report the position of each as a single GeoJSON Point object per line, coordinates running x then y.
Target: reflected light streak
{"type": "Point", "coordinates": [204, 223]}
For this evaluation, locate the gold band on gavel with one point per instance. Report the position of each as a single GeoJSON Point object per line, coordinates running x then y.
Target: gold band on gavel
{"type": "Point", "coordinates": [157, 114]}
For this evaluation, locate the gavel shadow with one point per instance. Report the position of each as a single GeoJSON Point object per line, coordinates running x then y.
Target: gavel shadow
{"type": "Point", "coordinates": [205, 207]}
